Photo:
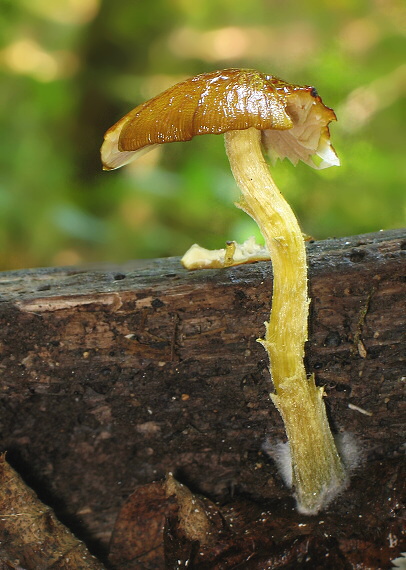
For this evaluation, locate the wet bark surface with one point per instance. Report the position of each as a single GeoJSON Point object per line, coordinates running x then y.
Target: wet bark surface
{"type": "Point", "coordinates": [111, 377]}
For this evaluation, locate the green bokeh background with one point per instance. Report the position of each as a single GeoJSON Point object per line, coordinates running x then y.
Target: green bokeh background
{"type": "Point", "coordinates": [70, 68]}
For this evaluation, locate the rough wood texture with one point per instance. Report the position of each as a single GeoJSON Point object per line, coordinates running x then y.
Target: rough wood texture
{"type": "Point", "coordinates": [112, 377]}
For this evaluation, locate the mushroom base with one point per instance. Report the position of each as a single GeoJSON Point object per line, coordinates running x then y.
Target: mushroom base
{"type": "Point", "coordinates": [317, 471]}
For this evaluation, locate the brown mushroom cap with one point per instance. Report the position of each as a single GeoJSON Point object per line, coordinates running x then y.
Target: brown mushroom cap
{"type": "Point", "coordinates": [221, 101]}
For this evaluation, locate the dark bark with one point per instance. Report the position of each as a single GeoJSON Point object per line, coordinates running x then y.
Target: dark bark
{"type": "Point", "coordinates": [112, 377]}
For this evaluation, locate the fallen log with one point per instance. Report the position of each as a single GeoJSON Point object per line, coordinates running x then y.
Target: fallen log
{"type": "Point", "coordinates": [111, 377]}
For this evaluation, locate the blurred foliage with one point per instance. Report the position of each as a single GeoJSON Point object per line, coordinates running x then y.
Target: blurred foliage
{"type": "Point", "coordinates": [70, 68]}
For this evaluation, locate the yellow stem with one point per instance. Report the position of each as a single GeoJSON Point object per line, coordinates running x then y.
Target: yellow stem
{"type": "Point", "coordinates": [317, 471]}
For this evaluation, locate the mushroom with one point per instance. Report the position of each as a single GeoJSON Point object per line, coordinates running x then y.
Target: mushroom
{"type": "Point", "coordinates": [256, 111]}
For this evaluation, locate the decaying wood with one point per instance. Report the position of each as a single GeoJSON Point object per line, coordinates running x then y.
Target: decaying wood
{"type": "Point", "coordinates": [112, 377]}
{"type": "Point", "coordinates": [31, 537]}
{"type": "Point", "coordinates": [163, 526]}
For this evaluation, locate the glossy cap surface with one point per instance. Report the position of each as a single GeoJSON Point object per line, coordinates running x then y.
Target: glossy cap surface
{"type": "Point", "coordinates": [214, 103]}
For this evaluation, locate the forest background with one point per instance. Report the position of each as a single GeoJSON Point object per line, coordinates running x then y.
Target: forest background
{"type": "Point", "coordinates": [69, 69]}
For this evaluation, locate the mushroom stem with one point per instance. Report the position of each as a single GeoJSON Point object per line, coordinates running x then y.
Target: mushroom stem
{"type": "Point", "coordinates": [317, 471]}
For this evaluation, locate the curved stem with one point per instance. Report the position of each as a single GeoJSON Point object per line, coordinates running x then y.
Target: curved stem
{"type": "Point", "coordinates": [317, 471]}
